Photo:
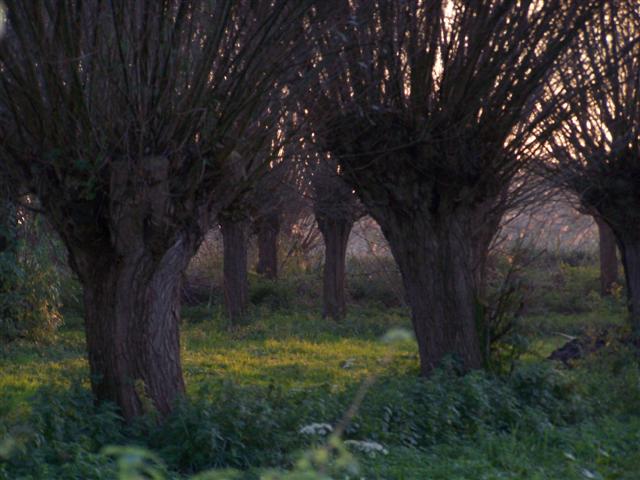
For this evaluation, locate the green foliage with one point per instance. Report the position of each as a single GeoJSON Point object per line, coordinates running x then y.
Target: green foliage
{"type": "Point", "coordinates": [498, 313]}
{"type": "Point", "coordinates": [566, 288]}
{"type": "Point", "coordinates": [29, 290]}
{"type": "Point", "coordinates": [375, 281]}
{"type": "Point", "coordinates": [273, 294]}
{"type": "Point", "coordinates": [253, 390]}
{"type": "Point", "coordinates": [62, 437]}
{"type": "Point", "coordinates": [251, 428]}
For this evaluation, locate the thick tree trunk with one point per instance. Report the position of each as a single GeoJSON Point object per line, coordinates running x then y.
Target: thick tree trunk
{"type": "Point", "coordinates": [608, 257]}
{"type": "Point", "coordinates": [630, 249]}
{"type": "Point", "coordinates": [436, 262]}
{"type": "Point", "coordinates": [268, 228]}
{"type": "Point", "coordinates": [236, 283]}
{"type": "Point", "coordinates": [132, 313]}
{"type": "Point", "coordinates": [335, 233]}
{"type": "Point", "coordinates": [7, 225]}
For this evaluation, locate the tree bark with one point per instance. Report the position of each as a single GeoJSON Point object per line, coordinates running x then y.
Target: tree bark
{"type": "Point", "coordinates": [630, 250]}
{"type": "Point", "coordinates": [608, 257]}
{"type": "Point", "coordinates": [268, 229]}
{"type": "Point", "coordinates": [436, 261]}
{"type": "Point", "coordinates": [7, 225]}
{"type": "Point", "coordinates": [132, 315]}
{"type": "Point", "coordinates": [335, 232]}
{"type": "Point", "coordinates": [236, 283]}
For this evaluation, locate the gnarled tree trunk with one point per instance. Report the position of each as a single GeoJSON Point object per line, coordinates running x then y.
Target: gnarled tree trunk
{"type": "Point", "coordinates": [335, 232]}
{"type": "Point", "coordinates": [268, 228]}
{"type": "Point", "coordinates": [436, 260]}
{"type": "Point", "coordinates": [608, 257]}
{"type": "Point", "coordinates": [236, 283]}
{"type": "Point", "coordinates": [132, 314]}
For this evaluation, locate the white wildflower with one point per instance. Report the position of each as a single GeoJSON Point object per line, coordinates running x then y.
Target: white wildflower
{"type": "Point", "coordinates": [367, 447]}
{"type": "Point", "coordinates": [588, 473]}
{"type": "Point", "coordinates": [322, 429]}
{"type": "Point", "coordinates": [348, 363]}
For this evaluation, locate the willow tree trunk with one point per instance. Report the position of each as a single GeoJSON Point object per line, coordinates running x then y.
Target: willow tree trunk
{"type": "Point", "coordinates": [8, 223]}
{"type": "Point", "coordinates": [5, 229]}
{"type": "Point", "coordinates": [630, 250]}
{"type": "Point", "coordinates": [608, 257]}
{"type": "Point", "coordinates": [436, 261]}
{"type": "Point", "coordinates": [236, 283]}
{"type": "Point", "coordinates": [132, 314]}
{"type": "Point", "coordinates": [335, 232]}
{"type": "Point", "coordinates": [268, 228]}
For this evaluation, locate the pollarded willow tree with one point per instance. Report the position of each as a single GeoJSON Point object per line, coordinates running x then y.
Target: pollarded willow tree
{"type": "Point", "coordinates": [336, 209]}
{"type": "Point", "coordinates": [126, 120]}
{"type": "Point", "coordinates": [596, 154]}
{"type": "Point", "coordinates": [430, 107]}
{"type": "Point", "coordinates": [263, 196]}
{"type": "Point", "coordinates": [270, 197]}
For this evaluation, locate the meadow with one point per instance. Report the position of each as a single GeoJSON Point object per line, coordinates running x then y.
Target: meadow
{"type": "Point", "coordinates": [263, 396]}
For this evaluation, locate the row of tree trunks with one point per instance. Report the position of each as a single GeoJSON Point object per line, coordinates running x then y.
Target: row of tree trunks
{"type": "Point", "coordinates": [235, 238]}
{"type": "Point", "coordinates": [335, 232]}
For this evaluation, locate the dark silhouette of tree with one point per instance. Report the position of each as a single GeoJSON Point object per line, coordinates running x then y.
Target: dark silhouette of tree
{"type": "Point", "coordinates": [596, 154]}
{"type": "Point", "coordinates": [262, 197]}
{"type": "Point", "coordinates": [430, 108]}
{"type": "Point", "coordinates": [135, 123]}
{"type": "Point", "coordinates": [267, 228]}
{"type": "Point", "coordinates": [235, 236]}
{"type": "Point", "coordinates": [336, 209]}
{"type": "Point", "coordinates": [272, 195]}
{"type": "Point", "coordinates": [608, 256]}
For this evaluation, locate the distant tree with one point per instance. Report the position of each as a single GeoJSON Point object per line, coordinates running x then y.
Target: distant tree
{"type": "Point", "coordinates": [267, 228]}
{"type": "Point", "coordinates": [275, 196]}
{"type": "Point", "coordinates": [272, 195]}
{"type": "Point", "coordinates": [596, 154]}
{"type": "Point", "coordinates": [430, 109]}
{"type": "Point", "coordinates": [125, 119]}
{"type": "Point", "coordinates": [336, 209]}
{"type": "Point", "coordinates": [234, 225]}
{"type": "Point", "coordinates": [261, 199]}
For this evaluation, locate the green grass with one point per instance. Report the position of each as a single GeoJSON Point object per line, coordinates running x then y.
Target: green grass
{"type": "Point", "coordinates": [603, 449]}
{"type": "Point", "coordinates": [252, 387]}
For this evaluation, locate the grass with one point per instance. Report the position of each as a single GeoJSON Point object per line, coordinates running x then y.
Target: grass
{"type": "Point", "coordinates": [252, 387]}
{"type": "Point", "coordinates": [602, 449]}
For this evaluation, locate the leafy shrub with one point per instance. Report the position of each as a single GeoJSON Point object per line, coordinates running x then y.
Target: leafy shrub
{"type": "Point", "coordinates": [63, 435]}
{"type": "Point", "coordinates": [566, 289]}
{"type": "Point", "coordinates": [29, 292]}
{"type": "Point", "coordinates": [259, 427]}
{"type": "Point", "coordinates": [276, 295]}
{"type": "Point", "coordinates": [425, 413]}
{"type": "Point", "coordinates": [375, 280]}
